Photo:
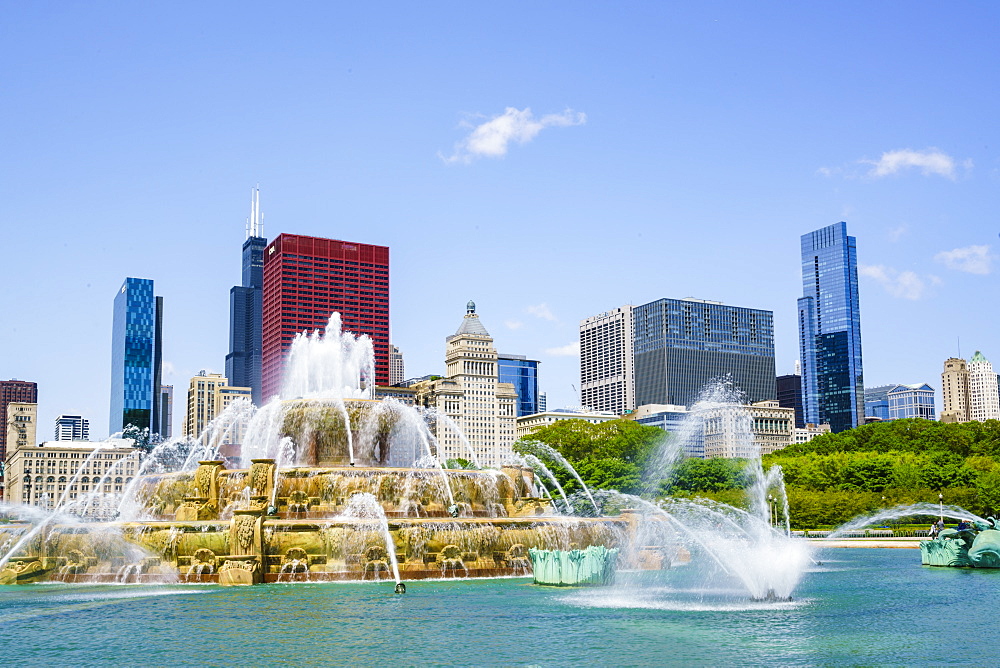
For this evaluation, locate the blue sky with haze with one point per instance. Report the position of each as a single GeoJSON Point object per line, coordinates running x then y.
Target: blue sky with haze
{"type": "Point", "coordinates": [548, 160]}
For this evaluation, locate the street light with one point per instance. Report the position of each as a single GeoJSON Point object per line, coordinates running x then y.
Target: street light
{"type": "Point", "coordinates": [770, 508]}
{"type": "Point", "coordinates": [941, 506]}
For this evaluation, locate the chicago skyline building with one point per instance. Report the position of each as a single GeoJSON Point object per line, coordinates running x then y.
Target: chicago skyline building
{"type": "Point", "coordinates": [136, 357]}
{"type": "Point", "coordinates": [472, 398]}
{"type": "Point", "coordinates": [830, 329]}
{"type": "Point", "coordinates": [682, 345]}
{"type": "Point", "coordinates": [246, 302]}
{"type": "Point", "coordinates": [13, 391]}
{"type": "Point", "coordinates": [72, 428]}
{"type": "Point", "coordinates": [984, 396]}
{"type": "Point", "coordinates": [208, 395]}
{"type": "Point", "coordinates": [522, 373]}
{"type": "Point", "coordinates": [308, 278]}
{"type": "Point", "coordinates": [911, 401]}
{"type": "Point", "coordinates": [397, 370]}
{"type": "Point", "coordinates": [607, 364]}
{"type": "Point", "coordinates": [789, 388]}
{"type": "Point", "coordinates": [955, 390]}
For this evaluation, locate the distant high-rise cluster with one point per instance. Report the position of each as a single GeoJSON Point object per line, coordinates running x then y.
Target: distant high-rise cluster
{"type": "Point", "coordinates": [830, 329]}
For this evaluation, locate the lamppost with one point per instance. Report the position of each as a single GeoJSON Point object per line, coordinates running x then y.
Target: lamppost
{"type": "Point", "coordinates": [941, 506]}
{"type": "Point", "coordinates": [770, 508]}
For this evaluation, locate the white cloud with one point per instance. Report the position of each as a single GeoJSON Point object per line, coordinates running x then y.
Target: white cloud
{"type": "Point", "coordinates": [492, 138]}
{"type": "Point", "coordinates": [929, 162]}
{"type": "Point", "coordinates": [541, 311]}
{"type": "Point", "coordinates": [897, 233]}
{"type": "Point", "coordinates": [902, 284]}
{"type": "Point", "coordinates": [168, 368]}
{"type": "Point", "coordinates": [568, 350]}
{"type": "Point", "coordinates": [971, 259]}
{"type": "Point", "coordinates": [513, 324]}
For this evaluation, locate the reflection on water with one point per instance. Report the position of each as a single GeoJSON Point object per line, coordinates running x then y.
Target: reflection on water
{"type": "Point", "coordinates": [872, 607]}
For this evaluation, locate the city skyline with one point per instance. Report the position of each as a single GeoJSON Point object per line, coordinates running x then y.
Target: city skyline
{"type": "Point", "coordinates": [545, 193]}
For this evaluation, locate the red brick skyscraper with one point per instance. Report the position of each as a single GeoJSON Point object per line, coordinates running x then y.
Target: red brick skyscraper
{"type": "Point", "coordinates": [308, 278]}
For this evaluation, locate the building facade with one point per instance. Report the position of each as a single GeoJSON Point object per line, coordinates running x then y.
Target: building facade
{"type": "Point", "coordinates": [63, 471]}
{"type": "Point", "coordinates": [911, 401]}
{"type": "Point", "coordinates": [955, 390]}
{"type": "Point", "coordinates": [984, 397]}
{"type": "Point", "coordinates": [830, 329]}
{"type": "Point", "coordinates": [136, 357]}
{"type": "Point", "coordinates": [72, 428]}
{"type": "Point", "coordinates": [607, 371]}
{"type": "Point", "coordinates": [22, 424]}
{"type": "Point", "coordinates": [397, 370]}
{"type": "Point", "coordinates": [308, 278]}
{"type": "Point", "coordinates": [747, 431]}
{"type": "Point", "coordinates": [522, 373]}
{"type": "Point", "coordinates": [677, 422]}
{"type": "Point", "coordinates": [789, 388]}
{"type": "Point", "coordinates": [809, 432]}
{"type": "Point", "coordinates": [14, 390]}
{"type": "Point", "coordinates": [471, 398]}
{"type": "Point", "coordinates": [683, 345]}
{"type": "Point", "coordinates": [877, 402]}
{"type": "Point", "coordinates": [531, 423]}
{"type": "Point", "coordinates": [167, 411]}
{"type": "Point", "coordinates": [208, 395]}
{"type": "Point", "coordinates": [246, 303]}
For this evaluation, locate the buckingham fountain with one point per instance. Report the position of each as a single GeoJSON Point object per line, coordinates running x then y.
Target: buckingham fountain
{"type": "Point", "coordinates": [331, 484]}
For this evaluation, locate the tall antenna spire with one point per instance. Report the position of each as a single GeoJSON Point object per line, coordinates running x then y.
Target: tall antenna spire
{"type": "Point", "coordinates": [255, 223]}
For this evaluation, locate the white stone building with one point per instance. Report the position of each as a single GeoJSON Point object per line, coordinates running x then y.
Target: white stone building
{"type": "Point", "coordinates": [60, 472]}
{"type": "Point", "coordinates": [471, 398]}
{"type": "Point", "coordinates": [607, 365]}
{"type": "Point", "coordinates": [530, 423]}
{"type": "Point", "coordinates": [984, 397]}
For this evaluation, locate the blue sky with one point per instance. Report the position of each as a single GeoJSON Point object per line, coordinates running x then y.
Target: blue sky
{"type": "Point", "coordinates": [548, 160]}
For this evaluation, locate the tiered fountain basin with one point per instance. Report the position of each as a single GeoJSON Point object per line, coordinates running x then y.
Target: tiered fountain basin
{"type": "Point", "coordinates": [235, 527]}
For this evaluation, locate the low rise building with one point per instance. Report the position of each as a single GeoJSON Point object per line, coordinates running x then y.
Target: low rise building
{"type": "Point", "coordinates": [747, 431]}
{"type": "Point", "coordinates": [530, 423]}
{"type": "Point", "coordinates": [675, 420]}
{"type": "Point", "coordinates": [60, 472]}
{"type": "Point", "coordinates": [911, 401]}
{"type": "Point", "coordinates": [404, 395]}
{"type": "Point", "coordinates": [809, 432]}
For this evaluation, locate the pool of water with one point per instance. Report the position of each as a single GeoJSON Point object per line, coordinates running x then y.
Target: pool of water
{"type": "Point", "coordinates": [860, 607]}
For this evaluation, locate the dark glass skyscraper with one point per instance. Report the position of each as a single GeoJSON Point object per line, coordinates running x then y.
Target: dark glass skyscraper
{"type": "Point", "coordinates": [246, 303]}
{"type": "Point", "coordinates": [790, 396]}
{"type": "Point", "coordinates": [680, 345]}
{"type": "Point", "coordinates": [136, 357]}
{"type": "Point", "coordinates": [830, 330]}
{"type": "Point", "coordinates": [522, 373]}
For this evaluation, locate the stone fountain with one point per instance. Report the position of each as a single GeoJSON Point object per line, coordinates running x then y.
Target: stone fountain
{"type": "Point", "coordinates": [259, 524]}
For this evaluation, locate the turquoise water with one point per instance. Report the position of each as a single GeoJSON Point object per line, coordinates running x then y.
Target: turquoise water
{"type": "Point", "coordinates": [861, 607]}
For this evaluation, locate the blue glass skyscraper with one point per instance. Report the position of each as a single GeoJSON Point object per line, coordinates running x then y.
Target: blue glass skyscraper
{"type": "Point", "coordinates": [136, 357]}
{"type": "Point", "coordinates": [246, 303]}
{"type": "Point", "coordinates": [830, 330]}
{"type": "Point", "coordinates": [522, 373]}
